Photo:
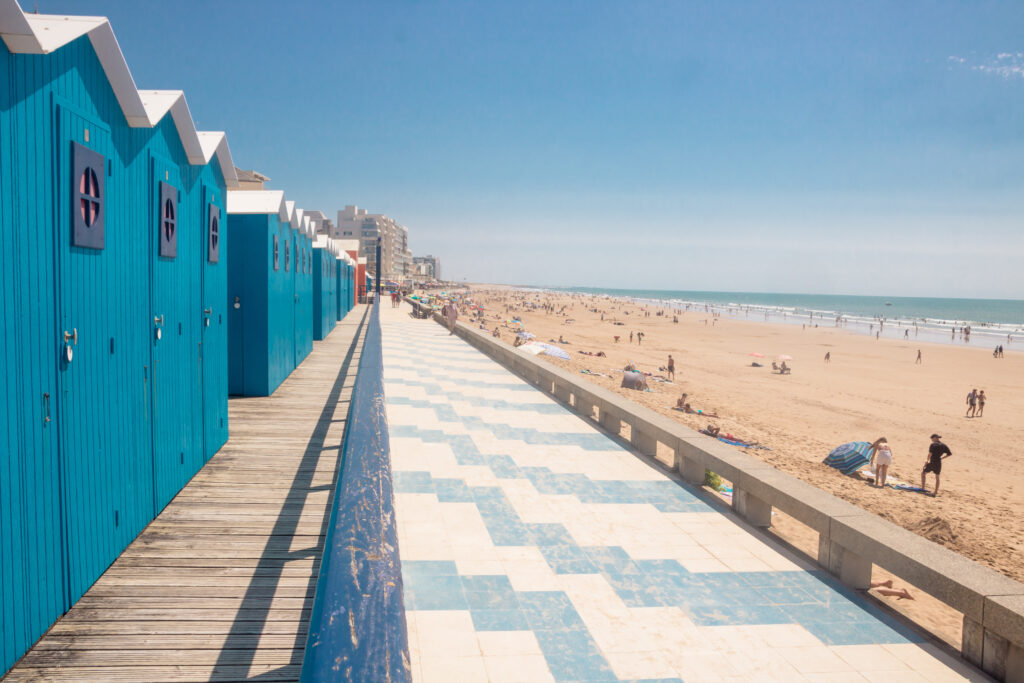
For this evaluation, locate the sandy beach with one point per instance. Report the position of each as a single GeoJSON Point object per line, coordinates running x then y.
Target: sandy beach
{"type": "Point", "coordinates": [871, 388]}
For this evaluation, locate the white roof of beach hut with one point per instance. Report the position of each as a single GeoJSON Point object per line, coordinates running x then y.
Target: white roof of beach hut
{"type": "Point", "coordinates": [257, 201]}
{"type": "Point", "coordinates": [41, 34]}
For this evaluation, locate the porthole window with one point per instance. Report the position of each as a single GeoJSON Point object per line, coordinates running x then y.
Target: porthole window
{"type": "Point", "coordinates": [90, 194]}
{"type": "Point", "coordinates": [287, 256]}
{"type": "Point", "coordinates": [87, 193]}
{"type": "Point", "coordinates": [276, 253]}
{"type": "Point", "coordinates": [213, 234]}
{"type": "Point", "coordinates": [168, 220]}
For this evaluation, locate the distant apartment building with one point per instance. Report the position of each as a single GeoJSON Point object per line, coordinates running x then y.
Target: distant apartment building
{"type": "Point", "coordinates": [426, 267]}
{"type": "Point", "coordinates": [322, 225]}
{"type": "Point", "coordinates": [396, 259]}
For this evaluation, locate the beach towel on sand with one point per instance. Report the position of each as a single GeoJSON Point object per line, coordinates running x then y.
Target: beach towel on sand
{"type": "Point", "coordinates": [849, 457]}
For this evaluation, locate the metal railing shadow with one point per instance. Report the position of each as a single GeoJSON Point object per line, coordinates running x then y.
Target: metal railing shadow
{"type": "Point", "coordinates": [246, 630]}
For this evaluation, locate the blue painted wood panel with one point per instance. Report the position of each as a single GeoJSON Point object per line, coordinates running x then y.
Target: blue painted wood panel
{"type": "Point", "coordinates": [304, 301]}
{"type": "Point", "coordinates": [174, 338]}
{"type": "Point", "coordinates": [76, 490]}
{"type": "Point", "coordinates": [249, 261]}
{"type": "Point", "coordinates": [210, 205]}
{"type": "Point", "coordinates": [324, 304]}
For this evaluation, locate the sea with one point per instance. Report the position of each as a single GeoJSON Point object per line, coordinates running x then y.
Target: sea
{"type": "Point", "coordinates": [971, 322]}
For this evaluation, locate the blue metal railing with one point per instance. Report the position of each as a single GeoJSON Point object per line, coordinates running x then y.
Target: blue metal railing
{"type": "Point", "coordinates": [357, 630]}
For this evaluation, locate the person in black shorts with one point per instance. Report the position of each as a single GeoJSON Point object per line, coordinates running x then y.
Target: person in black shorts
{"type": "Point", "coordinates": [936, 452]}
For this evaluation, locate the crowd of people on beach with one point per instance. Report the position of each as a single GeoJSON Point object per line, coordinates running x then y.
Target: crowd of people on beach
{"type": "Point", "coordinates": [881, 453]}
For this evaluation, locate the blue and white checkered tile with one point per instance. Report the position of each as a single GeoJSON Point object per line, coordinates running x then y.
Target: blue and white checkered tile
{"type": "Point", "coordinates": [536, 548]}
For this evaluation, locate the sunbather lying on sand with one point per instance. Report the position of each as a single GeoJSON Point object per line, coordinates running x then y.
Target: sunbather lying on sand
{"type": "Point", "coordinates": [689, 410]}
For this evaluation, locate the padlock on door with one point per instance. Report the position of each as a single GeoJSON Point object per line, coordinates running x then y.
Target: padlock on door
{"type": "Point", "coordinates": [70, 339]}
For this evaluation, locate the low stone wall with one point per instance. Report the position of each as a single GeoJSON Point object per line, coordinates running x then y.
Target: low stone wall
{"type": "Point", "coordinates": [851, 539]}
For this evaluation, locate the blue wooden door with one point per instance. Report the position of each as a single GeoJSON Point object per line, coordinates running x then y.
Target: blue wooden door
{"type": "Point", "coordinates": [104, 458]}
{"type": "Point", "coordinates": [32, 589]}
{"type": "Point", "coordinates": [174, 337]}
{"type": "Point", "coordinates": [214, 321]}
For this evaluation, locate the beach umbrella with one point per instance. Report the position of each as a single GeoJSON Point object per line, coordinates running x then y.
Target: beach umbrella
{"type": "Point", "coordinates": [755, 354]}
{"type": "Point", "coordinates": [849, 457]}
{"type": "Point", "coordinates": [784, 357]}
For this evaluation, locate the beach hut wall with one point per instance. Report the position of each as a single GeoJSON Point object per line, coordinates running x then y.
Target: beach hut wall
{"type": "Point", "coordinates": [303, 288]}
{"type": "Point", "coordinates": [344, 285]}
{"type": "Point", "coordinates": [325, 311]}
{"type": "Point", "coordinates": [104, 295]}
{"type": "Point", "coordinates": [261, 292]}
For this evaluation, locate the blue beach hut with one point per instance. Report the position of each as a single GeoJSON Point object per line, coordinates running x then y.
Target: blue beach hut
{"type": "Point", "coordinates": [325, 306]}
{"type": "Point", "coordinates": [343, 276]}
{"type": "Point", "coordinates": [260, 292]}
{"type": "Point", "coordinates": [303, 306]}
{"type": "Point", "coordinates": [105, 198]}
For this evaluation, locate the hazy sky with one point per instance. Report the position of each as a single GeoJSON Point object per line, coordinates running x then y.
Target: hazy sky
{"type": "Point", "coordinates": [833, 147]}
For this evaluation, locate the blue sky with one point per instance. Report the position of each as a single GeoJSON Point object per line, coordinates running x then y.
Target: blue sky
{"type": "Point", "coordinates": [831, 147]}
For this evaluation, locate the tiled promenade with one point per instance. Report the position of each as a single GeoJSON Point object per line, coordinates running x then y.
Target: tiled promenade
{"type": "Point", "coordinates": [535, 547]}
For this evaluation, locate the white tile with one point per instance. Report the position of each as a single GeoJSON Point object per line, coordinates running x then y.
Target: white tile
{"type": "Point", "coordinates": [851, 677]}
{"type": "Point", "coordinates": [784, 635]}
{"type": "Point", "coordinates": [870, 658]}
{"type": "Point", "coordinates": [814, 659]}
{"type": "Point", "coordinates": [449, 669]}
{"type": "Point", "coordinates": [933, 663]}
{"type": "Point", "coordinates": [651, 664]}
{"type": "Point", "coordinates": [518, 669]}
{"type": "Point", "coordinates": [446, 633]}
{"type": "Point", "coordinates": [700, 665]}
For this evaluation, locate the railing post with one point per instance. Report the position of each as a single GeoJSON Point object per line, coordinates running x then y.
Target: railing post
{"type": "Point", "coordinates": [584, 407]}
{"type": "Point", "coordinates": [610, 422]}
{"type": "Point", "coordinates": [644, 443]}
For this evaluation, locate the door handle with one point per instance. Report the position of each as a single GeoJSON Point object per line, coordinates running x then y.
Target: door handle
{"type": "Point", "coordinates": [46, 402]}
{"type": "Point", "coordinates": [71, 336]}
{"type": "Point", "coordinates": [208, 311]}
{"type": "Point", "coordinates": [158, 320]}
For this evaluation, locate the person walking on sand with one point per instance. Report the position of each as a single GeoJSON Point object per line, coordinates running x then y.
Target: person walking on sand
{"type": "Point", "coordinates": [828, 356]}
{"type": "Point", "coordinates": [936, 452]}
{"type": "Point", "coordinates": [972, 403]}
{"type": "Point", "coordinates": [631, 336]}
{"type": "Point", "coordinates": [981, 403]}
{"type": "Point", "coordinates": [918, 361]}
{"type": "Point", "coordinates": [671, 367]}
{"type": "Point", "coordinates": [881, 457]}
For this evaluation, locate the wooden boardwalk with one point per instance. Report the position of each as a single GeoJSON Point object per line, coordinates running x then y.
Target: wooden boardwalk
{"type": "Point", "coordinates": [219, 587]}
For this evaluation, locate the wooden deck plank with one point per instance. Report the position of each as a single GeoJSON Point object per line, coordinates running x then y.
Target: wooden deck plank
{"type": "Point", "coordinates": [220, 586]}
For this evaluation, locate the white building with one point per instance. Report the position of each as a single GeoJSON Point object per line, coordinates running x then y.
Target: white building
{"type": "Point", "coordinates": [396, 259]}
{"type": "Point", "coordinates": [427, 267]}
